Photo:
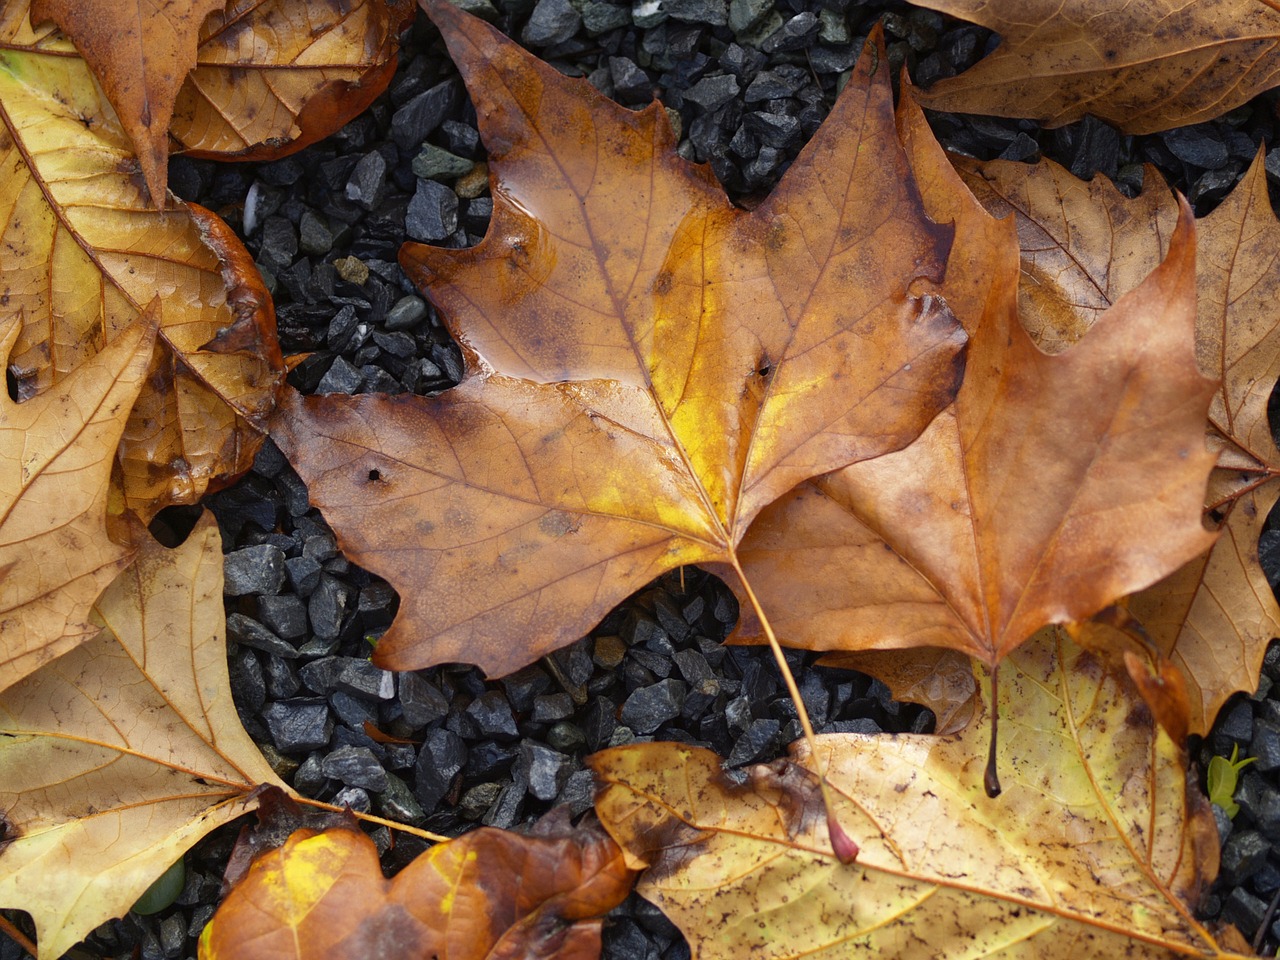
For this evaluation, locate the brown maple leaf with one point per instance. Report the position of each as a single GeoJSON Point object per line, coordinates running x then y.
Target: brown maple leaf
{"type": "Point", "coordinates": [56, 453]}
{"type": "Point", "coordinates": [1143, 65]}
{"type": "Point", "coordinates": [487, 894]}
{"type": "Point", "coordinates": [141, 52]}
{"type": "Point", "coordinates": [1054, 486]}
{"type": "Point", "coordinates": [77, 220]}
{"type": "Point", "coordinates": [273, 76]}
{"type": "Point", "coordinates": [647, 366]}
{"type": "Point", "coordinates": [1215, 616]}
{"type": "Point", "coordinates": [1100, 847]}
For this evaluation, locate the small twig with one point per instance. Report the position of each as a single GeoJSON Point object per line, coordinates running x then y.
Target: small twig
{"type": "Point", "coordinates": [16, 935]}
{"type": "Point", "coordinates": [1266, 922]}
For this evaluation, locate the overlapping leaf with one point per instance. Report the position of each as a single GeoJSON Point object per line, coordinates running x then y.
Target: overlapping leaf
{"type": "Point", "coordinates": [647, 365]}
{"type": "Point", "coordinates": [85, 253]}
{"type": "Point", "coordinates": [1142, 65]}
{"type": "Point", "coordinates": [488, 894]}
{"type": "Point", "coordinates": [1084, 244]}
{"type": "Point", "coordinates": [121, 754]}
{"type": "Point", "coordinates": [1054, 486]}
{"type": "Point", "coordinates": [1099, 847]}
{"type": "Point", "coordinates": [272, 76]}
{"type": "Point", "coordinates": [141, 52]}
{"type": "Point", "coordinates": [56, 452]}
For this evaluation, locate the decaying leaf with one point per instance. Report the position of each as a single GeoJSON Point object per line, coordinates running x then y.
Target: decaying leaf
{"type": "Point", "coordinates": [1099, 847]}
{"type": "Point", "coordinates": [648, 366]}
{"type": "Point", "coordinates": [272, 76]}
{"type": "Point", "coordinates": [121, 754]}
{"type": "Point", "coordinates": [488, 894]}
{"type": "Point", "coordinates": [56, 452]}
{"type": "Point", "coordinates": [939, 679]}
{"type": "Point", "coordinates": [84, 253]}
{"type": "Point", "coordinates": [1082, 245]}
{"type": "Point", "coordinates": [1142, 65]}
{"type": "Point", "coordinates": [141, 52]}
{"type": "Point", "coordinates": [1054, 486]}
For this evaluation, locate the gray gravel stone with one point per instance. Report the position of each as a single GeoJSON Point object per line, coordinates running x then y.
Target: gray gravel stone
{"type": "Point", "coordinates": [552, 21]}
{"type": "Point", "coordinates": [649, 707]}
{"type": "Point", "coordinates": [303, 574]}
{"type": "Point", "coordinates": [328, 605]}
{"type": "Point", "coordinates": [405, 313]}
{"type": "Point", "coordinates": [253, 570]}
{"type": "Point", "coordinates": [435, 162]}
{"type": "Point", "coordinates": [250, 633]}
{"type": "Point", "coordinates": [412, 122]}
{"type": "Point", "coordinates": [492, 715]}
{"type": "Point", "coordinates": [356, 767]}
{"type": "Point", "coordinates": [545, 770]}
{"type": "Point", "coordinates": [711, 93]}
{"type": "Point", "coordinates": [285, 615]}
{"type": "Point", "coordinates": [432, 213]}
{"type": "Point", "coordinates": [298, 725]}
{"type": "Point", "coordinates": [1243, 855]}
{"type": "Point", "coordinates": [367, 185]}
{"type": "Point", "coordinates": [421, 701]}
{"type": "Point", "coordinates": [1265, 746]}
{"type": "Point", "coordinates": [441, 758]}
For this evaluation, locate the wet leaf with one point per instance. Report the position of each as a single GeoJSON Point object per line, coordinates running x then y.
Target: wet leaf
{"type": "Point", "coordinates": [647, 365]}
{"type": "Point", "coordinates": [56, 452]}
{"type": "Point", "coordinates": [272, 77]}
{"type": "Point", "coordinates": [1143, 66]}
{"type": "Point", "coordinates": [140, 51]}
{"type": "Point", "coordinates": [121, 754]}
{"type": "Point", "coordinates": [1099, 847]}
{"type": "Point", "coordinates": [1084, 244]}
{"type": "Point", "coordinates": [488, 894]}
{"type": "Point", "coordinates": [1054, 486]}
{"type": "Point", "coordinates": [85, 253]}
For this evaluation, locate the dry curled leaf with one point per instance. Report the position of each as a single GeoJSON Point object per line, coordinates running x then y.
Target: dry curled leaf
{"type": "Point", "coordinates": [272, 76]}
{"type": "Point", "coordinates": [140, 51]}
{"type": "Point", "coordinates": [647, 365]}
{"type": "Point", "coordinates": [1142, 65]}
{"type": "Point", "coordinates": [1082, 245]}
{"type": "Point", "coordinates": [487, 895]}
{"type": "Point", "coordinates": [84, 255]}
{"type": "Point", "coordinates": [1100, 846]}
{"type": "Point", "coordinates": [56, 452]}
{"type": "Point", "coordinates": [121, 754]}
{"type": "Point", "coordinates": [1054, 486]}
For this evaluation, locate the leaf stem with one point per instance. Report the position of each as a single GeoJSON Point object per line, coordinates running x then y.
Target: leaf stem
{"type": "Point", "coordinates": [991, 779]}
{"type": "Point", "coordinates": [17, 936]}
{"type": "Point", "coordinates": [846, 849]}
{"type": "Point", "coordinates": [370, 818]}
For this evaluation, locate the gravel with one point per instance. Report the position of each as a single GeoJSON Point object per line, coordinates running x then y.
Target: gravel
{"type": "Point", "coordinates": [747, 83]}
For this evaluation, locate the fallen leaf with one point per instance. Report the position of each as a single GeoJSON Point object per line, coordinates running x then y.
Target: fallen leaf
{"type": "Point", "coordinates": [1215, 616]}
{"type": "Point", "coordinates": [85, 254]}
{"type": "Point", "coordinates": [140, 51]}
{"type": "Point", "coordinates": [488, 894]}
{"type": "Point", "coordinates": [56, 452]}
{"type": "Point", "coordinates": [1143, 66]}
{"type": "Point", "coordinates": [1100, 846]}
{"type": "Point", "coordinates": [121, 754]}
{"type": "Point", "coordinates": [647, 365]}
{"type": "Point", "coordinates": [1054, 486]}
{"type": "Point", "coordinates": [273, 76]}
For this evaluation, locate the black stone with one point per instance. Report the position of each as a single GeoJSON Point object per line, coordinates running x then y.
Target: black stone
{"type": "Point", "coordinates": [650, 707]}
{"type": "Point", "coordinates": [524, 685]}
{"type": "Point", "coordinates": [297, 726]}
{"type": "Point", "coordinates": [328, 605]}
{"type": "Point", "coordinates": [282, 678]}
{"type": "Point", "coordinates": [279, 244]}
{"type": "Point", "coordinates": [417, 118]}
{"type": "Point", "coordinates": [304, 575]}
{"type": "Point", "coordinates": [405, 313]}
{"type": "Point", "coordinates": [314, 235]}
{"type": "Point", "coordinates": [710, 93]}
{"type": "Point", "coordinates": [630, 83]}
{"type": "Point", "coordinates": [433, 212]}
{"type": "Point", "coordinates": [352, 675]}
{"type": "Point", "coordinates": [250, 633]}
{"type": "Point", "coordinates": [1265, 746]}
{"type": "Point", "coordinates": [356, 767]}
{"type": "Point", "coordinates": [545, 770]}
{"type": "Point", "coordinates": [441, 758]}
{"type": "Point", "coordinates": [1200, 146]}
{"type": "Point", "coordinates": [759, 739]}
{"type": "Point", "coordinates": [506, 810]}
{"type": "Point", "coordinates": [1235, 725]}
{"type": "Point", "coordinates": [1244, 910]}
{"type": "Point", "coordinates": [253, 570]}
{"type": "Point", "coordinates": [796, 34]}
{"type": "Point", "coordinates": [492, 715]}
{"type": "Point", "coordinates": [284, 615]}
{"type": "Point", "coordinates": [552, 707]}
{"type": "Point", "coordinates": [552, 21]}
{"type": "Point", "coordinates": [248, 685]}
{"type": "Point", "coordinates": [487, 760]}
{"type": "Point", "coordinates": [711, 12]}
{"type": "Point", "coordinates": [1243, 855]}
{"type": "Point", "coordinates": [367, 185]}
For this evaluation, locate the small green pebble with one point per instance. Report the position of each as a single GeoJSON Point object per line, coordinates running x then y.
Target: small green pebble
{"type": "Point", "coordinates": [164, 891]}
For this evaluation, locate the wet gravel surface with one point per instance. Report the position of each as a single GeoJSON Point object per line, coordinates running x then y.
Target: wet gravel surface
{"type": "Point", "coordinates": [746, 82]}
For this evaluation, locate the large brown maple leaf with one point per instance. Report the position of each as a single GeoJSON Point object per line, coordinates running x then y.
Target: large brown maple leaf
{"type": "Point", "coordinates": [648, 366]}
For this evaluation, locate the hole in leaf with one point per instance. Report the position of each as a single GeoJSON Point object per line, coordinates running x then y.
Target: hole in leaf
{"type": "Point", "coordinates": [375, 475]}
{"type": "Point", "coordinates": [172, 525]}
{"type": "Point", "coordinates": [11, 383]}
